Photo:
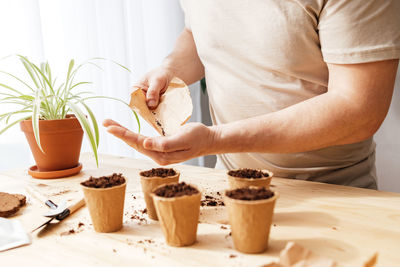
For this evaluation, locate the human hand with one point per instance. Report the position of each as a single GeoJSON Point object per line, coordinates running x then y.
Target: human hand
{"type": "Point", "coordinates": [191, 141]}
{"type": "Point", "coordinates": [154, 83]}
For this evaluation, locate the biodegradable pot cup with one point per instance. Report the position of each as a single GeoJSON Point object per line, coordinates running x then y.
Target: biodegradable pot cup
{"type": "Point", "coordinates": [106, 207]}
{"type": "Point", "coordinates": [149, 184]}
{"type": "Point", "coordinates": [178, 217]}
{"type": "Point", "coordinates": [250, 222]}
{"type": "Point", "coordinates": [238, 182]}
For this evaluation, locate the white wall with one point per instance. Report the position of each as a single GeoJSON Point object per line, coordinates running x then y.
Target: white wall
{"type": "Point", "coordinates": [388, 146]}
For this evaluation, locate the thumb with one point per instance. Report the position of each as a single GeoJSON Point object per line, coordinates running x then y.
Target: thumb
{"type": "Point", "coordinates": [156, 86]}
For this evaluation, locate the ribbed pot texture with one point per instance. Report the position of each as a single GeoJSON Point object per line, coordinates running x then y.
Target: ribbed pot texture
{"type": "Point", "coordinates": [61, 141]}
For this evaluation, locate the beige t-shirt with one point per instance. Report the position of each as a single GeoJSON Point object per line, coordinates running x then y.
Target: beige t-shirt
{"type": "Point", "coordinates": [262, 56]}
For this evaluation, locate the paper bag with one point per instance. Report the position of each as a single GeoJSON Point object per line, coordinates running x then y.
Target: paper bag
{"type": "Point", "coordinates": [174, 109]}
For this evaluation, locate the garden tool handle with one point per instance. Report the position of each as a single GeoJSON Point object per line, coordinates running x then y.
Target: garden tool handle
{"type": "Point", "coordinates": [76, 206]}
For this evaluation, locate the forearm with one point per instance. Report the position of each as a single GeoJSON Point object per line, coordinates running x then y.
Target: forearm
{"type": "Point", "coordinates": [352, 110]}
{"type": "Point", "coordinates": [322, 121]}
{"type": "Point", "coordinates": [184, 61]}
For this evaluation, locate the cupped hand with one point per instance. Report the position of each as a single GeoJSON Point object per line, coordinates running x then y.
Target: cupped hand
{"type": "Point", "coordinates": [154, 83]}
{"type": "Point", "coordinates": [191, 141]}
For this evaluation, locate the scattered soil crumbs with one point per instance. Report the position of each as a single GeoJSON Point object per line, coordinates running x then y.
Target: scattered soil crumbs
{"type": "Point", "coordinates": [248, 173]}
{"type": "Point", "coordinates": [114, 250]}
{"type": "Point", "coordinates": [212, 201]}
{"type": "Point", "coordinates": [158, 172]}
{"type": "Point", "coordinates": [105, 181]}
{"type": "Point", "coordinates": [176, 190]}
{"type": "Point", "coordinates": [334, 228]}
{"type": "Point", "coordinates": [275, 225]}
{"type": "Point", "coordinates": [138, 215]}
{"type": "Point", "coordinates": [232, 256]}
{"type": "Point", "coordinates": [71, 231]}
{"type": "Point", "coordinates": [250, 193]}
{"type": "Point", "coordinates": [224, 227]}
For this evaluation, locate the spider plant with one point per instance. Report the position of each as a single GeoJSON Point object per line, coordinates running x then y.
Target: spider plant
{"type": "Point", "coordinates": [44, 98]}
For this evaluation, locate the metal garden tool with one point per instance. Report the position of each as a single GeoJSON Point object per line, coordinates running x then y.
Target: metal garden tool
{"type": "Point", "coordinates": [60, 212]}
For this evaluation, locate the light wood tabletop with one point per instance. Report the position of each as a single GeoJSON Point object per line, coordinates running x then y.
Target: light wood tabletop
{"type": "Point", "coordinates": [342, 223]}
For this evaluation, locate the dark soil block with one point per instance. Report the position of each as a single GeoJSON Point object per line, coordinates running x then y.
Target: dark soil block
{"type": "Point", "coordinates": [176, 190]}
{"type": "Point", "coordinates": [248, 173]}
{"type": "Point", "coordinates": [250, 193]}
{"type": "Point", "coordinates": [104, 181]}
{"type": "Point", "coordinates": [158, 172]}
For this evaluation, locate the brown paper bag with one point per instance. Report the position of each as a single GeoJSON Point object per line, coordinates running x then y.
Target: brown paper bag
{"type": "Point", "coordinates": [150, 183]}
{"type": "Point", "coordinates": [294, 255]}
{"type": "Point", "coordinates": [178, 217]}
{"type": "Point", "coordinates": [250, 222]}
{"type": "Point", "coordinates": [174, 109]}
{"type": "Point", "coordinates": [106, 207]}
{"type": "Point", "coordinates": [237, 182]}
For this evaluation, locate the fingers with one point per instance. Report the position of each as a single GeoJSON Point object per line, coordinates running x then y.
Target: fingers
{"type": "Point", "coordinates": [132, 139]}
{"type": "Point", "coordinates": [109, 122]}
{"type": "Point", "coordinates": [135, 141]}
{"type": "Point", "coordinates": [165, 144]}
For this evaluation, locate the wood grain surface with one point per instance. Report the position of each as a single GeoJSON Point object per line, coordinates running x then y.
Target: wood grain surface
{"type": "Point", "coordinates": [343, 223]}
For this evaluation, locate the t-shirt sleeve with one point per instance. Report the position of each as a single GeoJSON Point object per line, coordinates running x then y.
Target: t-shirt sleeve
{"type": "Point", "coordinates": [184, 8]}
{"type": "Point", "coordinates": [359, 31]}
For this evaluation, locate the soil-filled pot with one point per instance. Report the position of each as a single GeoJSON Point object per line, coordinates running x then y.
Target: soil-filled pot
{"type": "Point", "coordinates": [154, 178]}
{"type": "Point", "coordinates": [105, 197]}
{"type": "Point", "coordinates": [61, 141]}
{"type": "Point", "coordinates": [178, 209]}
{"type": "Point", "coordinates": [250, 216]}
{"type": "Point", "coordinates": [240, 178]}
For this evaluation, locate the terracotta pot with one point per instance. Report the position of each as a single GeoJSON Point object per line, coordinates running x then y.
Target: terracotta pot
{"type": "Point", "coordinates": [106, 207]}
{"type": "Point", "coordinates": [179, 217]}
{"type": "Point", "coordinates": [238, 182]}
{"type": "Point", "coordinates": [250, 222]}
{"type": "Point", "coordinates": [150, 183]}
{"type": "Point", "coordinates": [61, 141]}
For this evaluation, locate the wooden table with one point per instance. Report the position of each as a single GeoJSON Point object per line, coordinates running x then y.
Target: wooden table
{"type": "Point", "coordinates": [342, 223]}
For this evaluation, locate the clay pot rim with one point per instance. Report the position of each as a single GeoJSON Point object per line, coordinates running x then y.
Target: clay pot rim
{"type": "Point", "coordinates": [68, 117]}
{"type": "Point", "coordinates": [270, 175]}
{"type": "Point", "coordinates": [251, 202]}
{"type": "Point", "coordinates": [102, 189]}
{"type": "Point", "coordinates": [154, 196]}
{"type": "Point", "coordinates": [26, 125]}
{"type": "Point", "coordinates": [177, 174]}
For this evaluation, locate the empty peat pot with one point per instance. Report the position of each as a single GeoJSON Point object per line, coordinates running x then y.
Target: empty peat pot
{"type": "Point", "coordinates": [153, 178]}
{"type": "Point", "coordinates": [178, 208]}
{"type": "Point", "coordinates": [250, 213]}
{"type": "Point", "coordinates": [240, 178]}
{"type": "Point", "coordinates": [105, 197]}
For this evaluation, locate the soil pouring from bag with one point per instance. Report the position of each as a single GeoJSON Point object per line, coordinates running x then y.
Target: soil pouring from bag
{"type": "Point", "coordinates": [248, 173]}
{"type": "Point", "coordinates": [158, 172]}
{"type": "Point", "coordinates": [176, 190]}
{"type": "Point", "coordinates": [104, 181]}
{"type": "Point", "coordinates": [250, 194]}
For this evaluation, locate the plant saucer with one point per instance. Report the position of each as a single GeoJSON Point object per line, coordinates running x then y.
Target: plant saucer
{"type": "Point", "coordinates": [35, 173]}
